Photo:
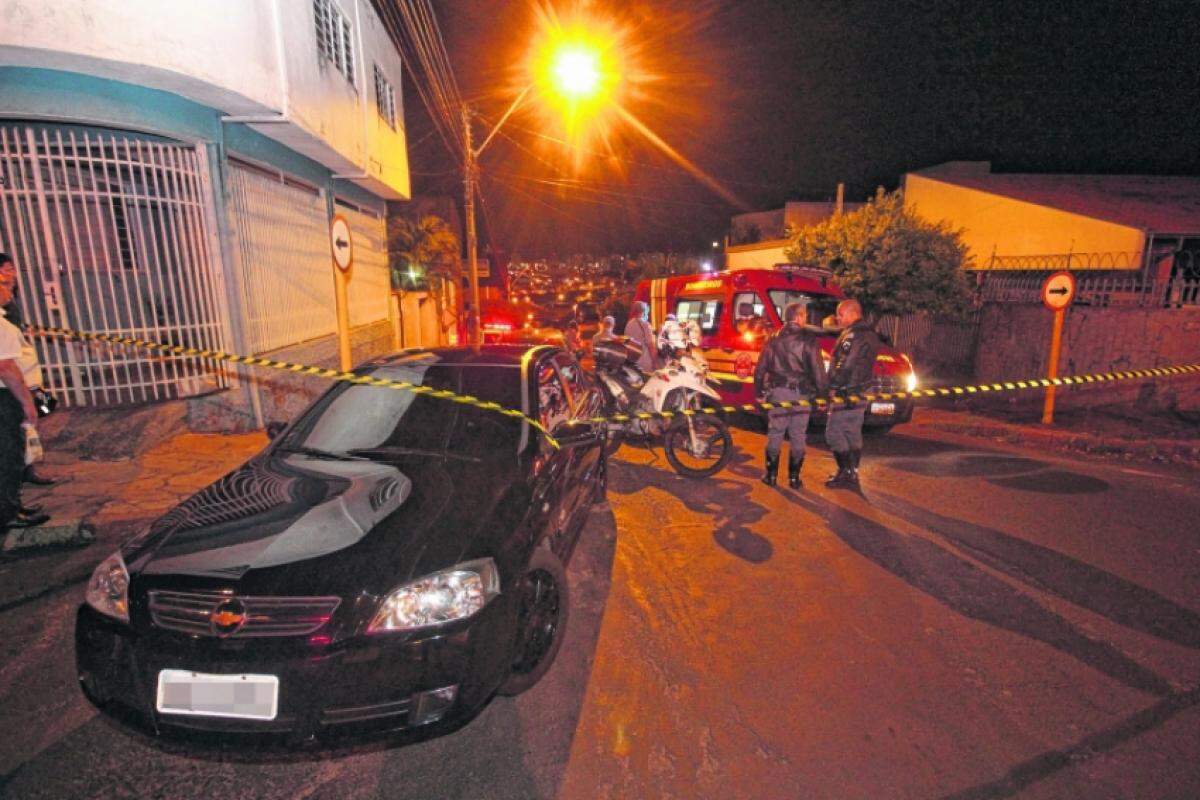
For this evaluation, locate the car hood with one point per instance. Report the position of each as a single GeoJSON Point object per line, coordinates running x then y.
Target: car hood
{"type": "Point", "coordinates": [275, 510]}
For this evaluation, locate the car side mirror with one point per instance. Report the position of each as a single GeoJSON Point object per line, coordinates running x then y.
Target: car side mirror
{"type": "Point", "coordinates": [275, 428]}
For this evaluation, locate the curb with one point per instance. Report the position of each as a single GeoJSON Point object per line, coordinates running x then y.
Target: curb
{"type": "Point", "coordinates": [1163, 451]}
{"type": "Point", "coordinates": [74, 533]}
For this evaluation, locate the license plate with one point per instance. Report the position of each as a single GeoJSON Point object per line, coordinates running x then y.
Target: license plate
{"type": "Point", "coordinates": [202, 695]}
{"type": "Point", "coordinates": [883, 408]}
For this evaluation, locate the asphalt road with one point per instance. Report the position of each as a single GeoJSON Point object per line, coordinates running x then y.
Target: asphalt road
{"type": "Point", "coordinates": [983, 622]}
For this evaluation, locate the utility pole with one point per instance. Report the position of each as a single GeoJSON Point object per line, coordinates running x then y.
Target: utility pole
{"type": "Point", "coordinates": [474, 329]}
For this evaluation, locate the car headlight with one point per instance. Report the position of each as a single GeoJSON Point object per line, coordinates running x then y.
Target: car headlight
{"type": "Point", "coordinates": [445, 596]}
{"type": "Point", "coordinates": [910, 383]}
{"type": "Point", "coordinates": [108, 589]}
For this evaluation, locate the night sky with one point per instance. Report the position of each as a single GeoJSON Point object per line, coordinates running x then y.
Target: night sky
{"type": "Point", "coordinates": [782, 100]}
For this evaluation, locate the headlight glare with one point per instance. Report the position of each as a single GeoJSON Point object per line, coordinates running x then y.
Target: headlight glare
{"type": "Point", "coordinates": [108, 589]}
{"type": "Point", "coordinates": [910, 383]}
{"type": "Point", "coordinates": [442, 597]}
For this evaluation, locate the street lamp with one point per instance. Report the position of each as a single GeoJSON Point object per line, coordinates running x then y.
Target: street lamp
{"type": "Point", "coordinates": [573, 76]}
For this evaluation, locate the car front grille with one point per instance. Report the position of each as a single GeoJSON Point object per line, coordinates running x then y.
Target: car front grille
{"type": "Point", "coordinates": [192, 613]}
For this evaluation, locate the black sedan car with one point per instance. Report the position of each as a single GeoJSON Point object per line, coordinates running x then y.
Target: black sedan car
{"type": "Point", "coordinates": [390, 561]}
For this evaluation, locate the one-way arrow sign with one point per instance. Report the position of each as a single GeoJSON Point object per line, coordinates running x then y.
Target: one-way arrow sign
{"type": "Point", "coordinates": [342, 242]}
{"type": "Point", "coordinates": [1058, 291]}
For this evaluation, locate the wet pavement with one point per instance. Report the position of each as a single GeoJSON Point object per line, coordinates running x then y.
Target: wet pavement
{"type": "Point", "coordinates": [983, 621]}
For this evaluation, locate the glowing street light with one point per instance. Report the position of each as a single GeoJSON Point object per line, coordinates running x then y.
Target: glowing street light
{"type": "Point", "coordinates": [571, 69]}
{"type": "Point", "coordinates": [576, 71]}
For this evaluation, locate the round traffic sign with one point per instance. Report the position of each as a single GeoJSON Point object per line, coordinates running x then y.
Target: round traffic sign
{"type": "Point", "coordinates": [341, 243]}
{"type": "Point", "coordinates": [1058, 291]}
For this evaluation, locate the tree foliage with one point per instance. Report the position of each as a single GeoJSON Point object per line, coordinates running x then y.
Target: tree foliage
{"type": "Point", "coordinates": [424, 246]}
{"type": "Point", "coordinates": [889, 259]}
{"type": "Point", "coordinates": [424, 254]}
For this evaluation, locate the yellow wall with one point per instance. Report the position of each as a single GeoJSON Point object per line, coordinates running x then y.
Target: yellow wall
{"type": "Point", "coordinates": [760, 255]}
{"type": "Point", "coordinates": [1007, 227]}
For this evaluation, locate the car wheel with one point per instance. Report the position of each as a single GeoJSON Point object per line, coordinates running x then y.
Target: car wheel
{"type": "Point", "coordinates": [541, 621]}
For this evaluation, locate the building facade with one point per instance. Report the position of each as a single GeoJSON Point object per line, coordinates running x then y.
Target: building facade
{"type": "Point", "coordinates": [1141, 227]}
{"type": "Point", "coordinates": [757, 239]}
{"type": "Point", "coordinates": [169, 171]}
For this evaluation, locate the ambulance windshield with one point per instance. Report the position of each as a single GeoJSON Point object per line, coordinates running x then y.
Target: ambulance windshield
{"type": "Point", "coordinates": [816, 307]}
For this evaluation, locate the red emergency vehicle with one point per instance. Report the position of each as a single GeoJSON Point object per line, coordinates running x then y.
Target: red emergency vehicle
{"type": "Point", "coordinates": [737, 310]}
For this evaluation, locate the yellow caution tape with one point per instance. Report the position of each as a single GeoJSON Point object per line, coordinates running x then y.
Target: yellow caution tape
{"type": "Point", "coordinates": [815, 404]}
{"type": "Point", "coordinates": [299, 369]}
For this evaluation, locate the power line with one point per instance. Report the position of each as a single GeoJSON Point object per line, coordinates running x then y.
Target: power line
{"type": "Point", "coordinates": [585, 186]}
{"type": "Point", "coordinates": [674, 169]}
{"type": "Point", "coordinates": [553, 208]}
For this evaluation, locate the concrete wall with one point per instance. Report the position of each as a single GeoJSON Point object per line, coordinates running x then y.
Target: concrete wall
{"type": "Point", "coordinates": [283, 395]}
{"type": "Point", "coordinates": [994, 224]}
{"type": "Point", "coordinates": [1014, 343]}
{"type": "Point", "coordinates": [240, 57]}
{"type": "Point", "coordinates": [763, 255]}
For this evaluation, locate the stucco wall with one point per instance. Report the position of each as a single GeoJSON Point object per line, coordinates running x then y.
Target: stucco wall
{"type": "Point", "coordinates": [239, 57]}
{"type": "Point", "coordinates": [1015, 342]}
{"type": "Point", "coordinates": [283, 395]}
{"type": "Point", "coordinates": [992, 223]}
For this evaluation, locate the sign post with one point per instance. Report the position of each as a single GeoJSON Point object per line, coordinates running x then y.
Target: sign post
{"type": "Point", "coordinates": [1057, 293]}
{"type": "Point", "coordinates": [342, 246]}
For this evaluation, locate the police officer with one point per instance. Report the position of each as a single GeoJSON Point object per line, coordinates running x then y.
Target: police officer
{"type": "Point", "coordinates": [790, 368]}
{"type": "Point", "coordinates": [850, 372]}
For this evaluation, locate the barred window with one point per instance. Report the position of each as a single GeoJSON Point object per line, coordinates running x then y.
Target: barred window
{"type": "Point", "coordinates": [385, 98]}
{"type": "Point", "coordinates": [334, 41]}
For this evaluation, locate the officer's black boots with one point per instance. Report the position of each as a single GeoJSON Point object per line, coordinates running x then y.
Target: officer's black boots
{"type": "Point", "coordinates": [794, 465]}
{"type": "Point", "coordinates": [854, 456]}
{"type": "Point", "coordinates": [841, 480]}
{"type": "Point", "coordinates": [772, 469]}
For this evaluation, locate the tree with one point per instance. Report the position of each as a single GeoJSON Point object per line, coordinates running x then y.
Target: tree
{"type": "Point", "coordinates": [423, 252]}
{"type": "Point", "coordinates": [889, 259]}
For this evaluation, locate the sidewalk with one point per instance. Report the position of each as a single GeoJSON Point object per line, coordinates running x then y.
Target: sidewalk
{"type": "Point", "coordinates": [117, 472]}
{"type": "Point", "coordinates": [1127, 439]}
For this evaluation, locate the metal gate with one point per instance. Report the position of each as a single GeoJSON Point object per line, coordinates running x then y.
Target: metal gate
{"type": "Point", "coordinates": [110, 232]}
{"type": "Point", "coordinates": [287, 277]}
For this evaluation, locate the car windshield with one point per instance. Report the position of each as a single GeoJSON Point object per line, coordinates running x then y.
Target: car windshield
{"type": "Point", "coordinates": [375, 420]}
{"type": "Point", "coordinates": [816, 306]}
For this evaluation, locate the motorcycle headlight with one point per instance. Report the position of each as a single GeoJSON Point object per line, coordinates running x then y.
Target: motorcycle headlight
{"type": "Point", "coordinates": [436, 599]}
{"type": "Point", "coordinates": [910, 383]}
{"type": "Point", "coordinates": [108, 589]}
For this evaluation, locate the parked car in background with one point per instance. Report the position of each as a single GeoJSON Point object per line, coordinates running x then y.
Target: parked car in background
{"type": "Point", "coordinates": [390, 561]}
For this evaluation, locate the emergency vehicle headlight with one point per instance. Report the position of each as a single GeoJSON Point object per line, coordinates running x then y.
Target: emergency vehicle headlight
{"type": "Point", "coordinates": [910, 383]}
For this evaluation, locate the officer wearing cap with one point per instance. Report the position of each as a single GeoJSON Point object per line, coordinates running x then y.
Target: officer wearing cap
{"type": "Point", "coordinates": [850, 372]}
{"type": "Point", "coordinates": [789, 369]}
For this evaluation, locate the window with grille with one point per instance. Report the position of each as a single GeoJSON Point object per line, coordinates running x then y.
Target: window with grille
{"type": "Point", "coordinates": [334, 41]}
{"type": "Point", "coordinates": [385, 98]}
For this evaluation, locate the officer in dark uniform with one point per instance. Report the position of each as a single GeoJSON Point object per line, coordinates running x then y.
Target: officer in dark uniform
{"type": "Point", "coordinates": [850, 373]}
{"type": "Point", "coordinates": [790, 368]}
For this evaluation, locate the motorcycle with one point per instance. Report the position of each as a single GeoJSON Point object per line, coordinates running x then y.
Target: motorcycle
{"type": "Point", "coordinates": [696, 445]}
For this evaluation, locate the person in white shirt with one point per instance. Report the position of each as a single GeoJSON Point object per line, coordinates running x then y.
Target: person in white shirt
{"type": "Point", "coordinates": [639, 330]}
{"type": "Point", "coordinates": [17, 412]}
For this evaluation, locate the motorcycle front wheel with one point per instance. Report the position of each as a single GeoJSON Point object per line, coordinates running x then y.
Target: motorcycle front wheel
{"type": "Point", "coordinates": [698, 446]}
